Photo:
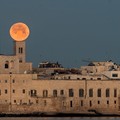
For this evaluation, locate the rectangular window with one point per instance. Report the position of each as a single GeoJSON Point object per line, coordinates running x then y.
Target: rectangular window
{"type": "Point", "coordinates": [114, 101]}
{"type": "Point", "coordinates": [108, 102]}
{"type": "Point", "coordinates": [5, 81]}
{"type": "Point", "coordinates": [37, 101]}
{"type": "Point", "coordinates": [6, 91]}
{"type": "Point", "coordinates": [13, 81]}
{"type": "Point", "coordinates": [98, 102]}
{"type": "Point", "coordinates": [99, 93]}
{"type": "Point", "coordinates": [13, 91]}
{"type": "Point", "coordinates": [71, 93]}
{"type": "Point", "coordinates": [81, 93]}
{"type": "Point", "coordinates": [107, 92]}
{"type": "Point", "coordinates": [81, 103]}
{"type": "Point", "coordinates": [90, 92]}
{"type": "Point", "coordinates": [115, 92]}
{"type": "Point", "coordinates": [90, 103]}
{"type": "Point", "coordinates": [54, 93]}
{"type": "Point", "coordinates": [23, 91]}
{"type": "Point", "coordinates": [62, 92]}
{"type": "Point", "coordinates": [114, 75]}
{"type": "Point", "coordinates": [71, 104]}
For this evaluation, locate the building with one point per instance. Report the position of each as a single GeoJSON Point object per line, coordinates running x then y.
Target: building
{"type": "Point", "coordinates": [94, 89]}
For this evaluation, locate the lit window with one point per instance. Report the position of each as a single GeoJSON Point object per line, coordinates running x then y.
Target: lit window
{"type": "Point", "coordinates": [33, 92]}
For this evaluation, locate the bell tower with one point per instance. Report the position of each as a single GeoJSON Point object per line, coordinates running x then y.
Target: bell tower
{"type": "Point", "coordinates": [19, 32]}
{"type": "Point", "coordinates": [20, 51]}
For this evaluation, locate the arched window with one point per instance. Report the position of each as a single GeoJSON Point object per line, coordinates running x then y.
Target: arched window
{"type": "Point", "coordinates": [45, 93]}
{"type": "Point", "coordinates": [7, 64]}
{"type": "Point", "coordinates": [54, 93]}
{"type": "Point", "coordinates": [21, 50]}
{"type": "Point", "coordinates": [81, 93]}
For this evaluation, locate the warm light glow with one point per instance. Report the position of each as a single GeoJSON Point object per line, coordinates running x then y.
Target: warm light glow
{"type": "Point", "coordinates": [19, 31]}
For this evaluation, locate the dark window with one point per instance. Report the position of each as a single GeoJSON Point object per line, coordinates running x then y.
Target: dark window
{"type": "Point", "coordinates": [107, 92]}
{"type": "Point", "coordinates": [114, 101]}
{"type": "Point", "coordinates": [21, 50]}
{"type": "Point", "coordinates": [6, 64]}
{"type": "Point", "coordinates": [71, 104]}
{"type": "Point", "coordinates": [14, 101]}
{"type": "Point", "coordinates": [13, 91]}
{"type": "Point", "coordinates": [81, 93]}
{"type": "Point", "coordinates": [23, 91]}
{"type": "Point", "coordinates": [90, 92]}
{"type": "Point", "coordinates": [61, 92]}
{"type": "Point", "coordinates": [81, 103]}
{"type": "Point", "coordinates": [99, 93]}
{"type": "Point", "coordinates": [108, 102]}
{"type": "Point", "coordinates": [37, 101]}
{"type": "Point", "coordinates": [45, 93]}
{"type": "Point", "coordinates": [5, 81]}
{"type": "Point", "coordinates": [98, 102]}
{"type": "Point", "coordinates": [13, 81]}
{"type": "Point", "coordinates": [54, 93]}
{"type": "Point", "coordinates": [114, 75]}
{"type": "Point", "coordinates": [98, 78]}
{"type": "Point", "coordinates": [115, 92]}
{"type": "Point", "coordinates": [71, 93]}
{"type": "Point", "coordinates": [6, 91]}
{"type": "Point", "coordinates": [90, 103]}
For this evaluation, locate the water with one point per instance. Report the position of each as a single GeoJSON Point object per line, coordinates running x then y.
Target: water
{"type": "Point", "coordinates": [59, 118]}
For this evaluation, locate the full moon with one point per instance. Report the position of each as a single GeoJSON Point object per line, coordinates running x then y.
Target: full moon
{"type": "Point", "coordinates": [19, 31]}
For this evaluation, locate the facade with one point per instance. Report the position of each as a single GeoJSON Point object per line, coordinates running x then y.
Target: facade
{"type": "Point", "coordinates": [94, 89]}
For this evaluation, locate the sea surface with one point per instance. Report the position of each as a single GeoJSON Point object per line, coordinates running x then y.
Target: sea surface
{"type": "Point", "coordinates": [59, 118]}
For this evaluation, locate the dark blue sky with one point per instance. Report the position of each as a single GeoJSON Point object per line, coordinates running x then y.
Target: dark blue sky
{"type": "Point", "coordinates": [66, 31]}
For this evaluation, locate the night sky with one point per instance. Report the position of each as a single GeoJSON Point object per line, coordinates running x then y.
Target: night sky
{"type": "Point", "coordinates": [67, 31]}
